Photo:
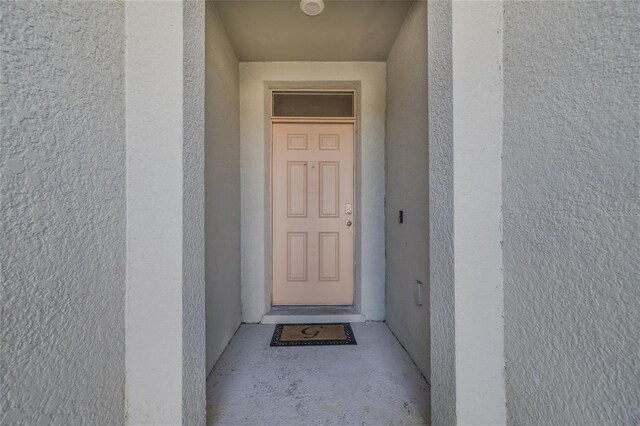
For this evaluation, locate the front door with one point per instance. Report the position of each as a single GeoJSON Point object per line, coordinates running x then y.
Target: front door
{"type": "Point", "coordinates": [313, 213]}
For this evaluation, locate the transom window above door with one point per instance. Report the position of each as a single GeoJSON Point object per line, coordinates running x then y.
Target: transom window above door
{"type": "Point", "coordinates": [316, 104]}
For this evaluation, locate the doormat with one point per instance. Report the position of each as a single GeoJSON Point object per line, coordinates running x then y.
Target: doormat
{"type": "Point", "coordinates": [313, 335]}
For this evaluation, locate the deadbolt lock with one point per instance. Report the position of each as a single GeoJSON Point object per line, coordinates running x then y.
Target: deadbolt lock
{"type": "Point", "coordinates": [349, 223]}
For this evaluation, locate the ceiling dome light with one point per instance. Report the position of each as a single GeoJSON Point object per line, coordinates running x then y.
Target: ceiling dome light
{"type": "Point", "coordinates": [312, 7]}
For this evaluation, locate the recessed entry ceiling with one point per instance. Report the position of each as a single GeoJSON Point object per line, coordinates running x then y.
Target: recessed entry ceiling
{"type": "Point", "coordinates": [268, 30]}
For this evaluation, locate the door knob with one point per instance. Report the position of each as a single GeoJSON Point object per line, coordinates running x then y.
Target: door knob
{"type": "Point", "coordinates": [348, 223]}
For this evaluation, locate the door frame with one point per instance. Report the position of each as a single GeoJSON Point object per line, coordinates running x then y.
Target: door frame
{"type": "Point", "coordinates": [311, 86]}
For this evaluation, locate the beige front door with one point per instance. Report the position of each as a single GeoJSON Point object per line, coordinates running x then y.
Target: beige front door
{"type": "Point", "coordinates": [312, 213]}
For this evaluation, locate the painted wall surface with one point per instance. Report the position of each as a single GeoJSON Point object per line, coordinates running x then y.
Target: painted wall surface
{"type": "Point", "coordinates": [571, 209]}
{"type": "Point", "coordinates": [407, 183]}
{"type": "Point", "coordinates": [253, 159]}
{"type": "Point", "coordinates": [194, 367]}
{"type": "Point", "coordinates": [222, 188]}
{"type": "Point", "coordinates": [165, 315]}
{"type": "Point", "coordinates": [477, 197]}
{"type": "Point", "coordinates": [63, 212]}
{"type": "Point", "coordinates": [441, 283]}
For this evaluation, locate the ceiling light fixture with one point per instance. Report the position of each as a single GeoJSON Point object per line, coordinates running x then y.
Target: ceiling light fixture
{"type": "Point", "coordinates": [312, 7]}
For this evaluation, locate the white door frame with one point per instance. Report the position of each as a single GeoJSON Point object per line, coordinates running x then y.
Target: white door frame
{"type": "Point", "coordinates": [351, 86]}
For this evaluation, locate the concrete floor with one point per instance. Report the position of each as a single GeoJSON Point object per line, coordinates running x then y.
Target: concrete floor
{"type": "Point", "coordinates": [371, 383]}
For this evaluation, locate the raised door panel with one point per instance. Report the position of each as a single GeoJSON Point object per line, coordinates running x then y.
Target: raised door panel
{"type": "Point", "coordinates": [297, 141]}
{"type": "Point", "coordinates": [329, 191]}
{"type": "Point", "coordinates": [329, 256]}
{"type": "Point", "coordinates": [297, 189]}
{"type": "Point", "coordinates": [297, 249]}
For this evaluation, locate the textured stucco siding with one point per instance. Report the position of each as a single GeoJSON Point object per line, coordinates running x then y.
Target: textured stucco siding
{"type": "Point", "coordinates": [63, 212]}
{"type": "Point", "coordinates": [441, 270]}
{"type": "Point", "coordinates": [193, 216]}
{"type": "Point", "coordinates": [571, 212]}
{"type": "Point", "coordinates": [165, 298]}
{"type": "Point", "coordinates": [477, 50]}
{"type": "Point", "coordinates": [222, 188]}
{"type": "Point", "coordinates": [407, 183]}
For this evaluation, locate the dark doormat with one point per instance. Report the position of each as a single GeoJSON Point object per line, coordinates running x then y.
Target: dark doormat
{"type": "Point", "coordinates": [313, 335]}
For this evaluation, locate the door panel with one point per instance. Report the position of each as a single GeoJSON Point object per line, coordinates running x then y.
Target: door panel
{"type": "Point", "coordinates": [329, 256]}
{"type": "Point", "coordinates": [329, 188]}
{"type": "Point", "coordinates": [312, 186]}
{"type": "Point", "coordinates": [297, 256]}
{"type": "Point", "coordinates": [297, 189]}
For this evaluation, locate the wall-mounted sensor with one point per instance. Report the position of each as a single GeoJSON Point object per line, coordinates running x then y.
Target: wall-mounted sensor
{"type": "Point", "coordinates": [312, 7]}
{"type": "Point", "coordinates": [419, 293]}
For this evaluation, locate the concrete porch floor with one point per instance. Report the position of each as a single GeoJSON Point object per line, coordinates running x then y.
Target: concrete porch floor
{"type": "Point", "coordinates": [371, 383]}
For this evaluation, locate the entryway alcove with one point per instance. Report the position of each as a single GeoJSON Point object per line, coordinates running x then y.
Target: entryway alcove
{"type": "Point", "coordinates": [315, 143]}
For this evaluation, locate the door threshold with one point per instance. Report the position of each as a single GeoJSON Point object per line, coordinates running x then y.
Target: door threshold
{"type": "Point", "coordinates": [312, 314]}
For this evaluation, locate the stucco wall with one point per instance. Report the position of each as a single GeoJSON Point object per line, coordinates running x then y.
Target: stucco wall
{"type": "Point", "coordinates": [476, 30]}
{"type": "Point", "coordinates": [63, 212]}
{"type": "Point", "coordinates": [443, 378]}
{"type": "Point", "coordinates": [407, 183]}
{"type": "Point", "coordinates": [165, 296]}
{"type": "Point", "coordinates": [571, 209]}
{"type": "Point", "coordinates": [222, 187]}
{"type": "Point", "coordinates": [254, 161]}
{"type": "Point", "coordinates": [193, 214]}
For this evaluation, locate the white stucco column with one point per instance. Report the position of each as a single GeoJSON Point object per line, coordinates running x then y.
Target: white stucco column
{"type": "Point", "coordinates": [165, 351]}
{"type": "Point", "coordinates": [477, 144]}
